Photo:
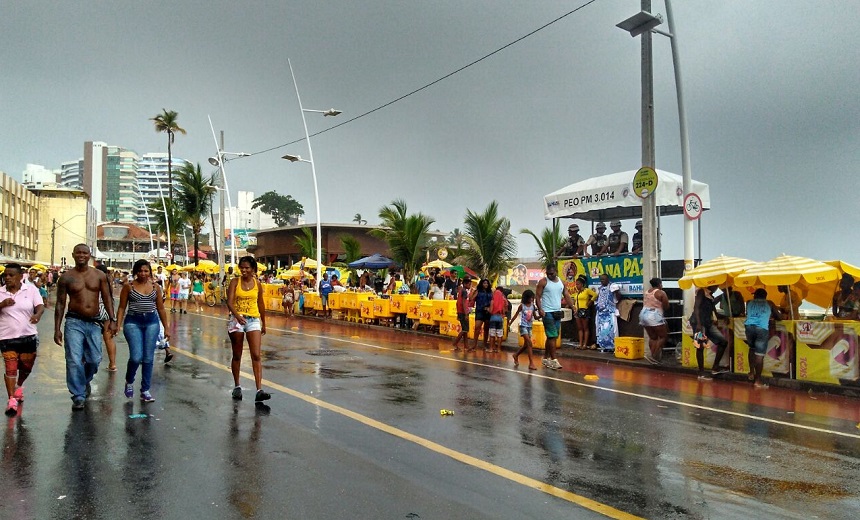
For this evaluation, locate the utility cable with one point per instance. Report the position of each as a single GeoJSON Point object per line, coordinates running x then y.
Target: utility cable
{"type": "Point", "coordinates": [428, 85]}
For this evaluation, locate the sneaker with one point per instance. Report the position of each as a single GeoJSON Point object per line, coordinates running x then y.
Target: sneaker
{"type": "Point", "coordinates": [719, 370]}
{"type": "Point", "coordinates": [237, 393]}
{"type": "Point", "coordinates": [146, 397]}
{"type": "Point", "coordinates": [763, 386]}
{"type": "Point", "coordinates": [546, 362]}
{"type": "Point", "coordinates": [168, 357]}
{"type": "Point", "coordinates": [555, 365]}
{"type": "Point", "coordinates": [262, 396]}
{"type": "Point", "coordinates": [705, 377]}
{"type": "Point", "coordinates": [129, 391]}
{"type": "Point", "coordinates": [78, 404]}
{"type": "Point", "coordinates": [19, 394]}
{"type": "Point", "coordinates": [12, 407]}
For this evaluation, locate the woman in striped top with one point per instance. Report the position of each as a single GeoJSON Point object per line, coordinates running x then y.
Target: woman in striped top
{"type": "Point", "coordinates": [141, 306]}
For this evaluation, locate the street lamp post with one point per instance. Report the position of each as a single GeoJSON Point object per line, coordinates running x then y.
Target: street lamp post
{"type": "Point", "coordinates": [645, 23]}
{"type": "Point", "coordinates": [218, 161]}
{"type": "Point", "coordinates": [295, 158]}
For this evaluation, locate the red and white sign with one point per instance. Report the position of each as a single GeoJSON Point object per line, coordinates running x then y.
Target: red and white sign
{"type": "Point", "coordinates": [693, 206]}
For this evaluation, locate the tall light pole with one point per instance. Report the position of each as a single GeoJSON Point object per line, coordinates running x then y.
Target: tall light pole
{"type": "Point", "coordinates": [645, 23]}
{"type": "Point", "coordinates": [294, 158]}
{"type": "Point", "coordinates": [218, 161]}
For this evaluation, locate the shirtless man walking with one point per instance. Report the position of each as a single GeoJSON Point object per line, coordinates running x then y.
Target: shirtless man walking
{"type": "Point", "coordinates": [83, 330]}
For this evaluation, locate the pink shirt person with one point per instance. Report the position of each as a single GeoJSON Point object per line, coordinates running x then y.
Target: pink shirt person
{"type": "Point", "coordinates": [15, 320]}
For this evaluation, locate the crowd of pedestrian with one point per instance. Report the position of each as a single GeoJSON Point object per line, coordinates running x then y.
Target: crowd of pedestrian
{"type": "Point", "coordinates": [599, 243]}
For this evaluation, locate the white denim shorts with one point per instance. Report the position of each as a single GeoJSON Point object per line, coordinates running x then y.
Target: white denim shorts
{"type": "Point", "coordinates": [251, 324]}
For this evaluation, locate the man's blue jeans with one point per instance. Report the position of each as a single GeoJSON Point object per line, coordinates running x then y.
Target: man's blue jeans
{"type": "Point", "coordinates": [141, 333]}
{"type": "Point", "coordinates": [83, 345]}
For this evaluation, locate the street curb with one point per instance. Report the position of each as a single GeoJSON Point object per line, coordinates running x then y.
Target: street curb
{"type": "Point", "coordinates": [567, 352]}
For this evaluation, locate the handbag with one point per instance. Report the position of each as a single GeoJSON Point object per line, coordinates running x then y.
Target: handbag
{"type": "Point", "coordinates": [582, 313]}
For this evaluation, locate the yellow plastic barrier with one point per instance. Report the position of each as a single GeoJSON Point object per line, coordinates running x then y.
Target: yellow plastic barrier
{"type": "Point", "coordinates": [413, 308]}
{"type": "Point", "coordinates": [629, 347]}
{"type": "Point", "coordinates": [349, 301]}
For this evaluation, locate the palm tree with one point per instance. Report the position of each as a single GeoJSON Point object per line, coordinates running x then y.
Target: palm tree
{"type": "Point", "coordinates": [456, 242]}
{"type": "Point", "coordinates": [166, 122]}
{"type": "Point", "coordinates": [549, 244]}
{"type": "Point", "coordinates": [193, 198]}
{"type": "Point", "coordinates": [307, 244]}
{"type": "Point", "coordinates": [407, 235]}
{"type": "Point", "coordinates": [174, 218]}
{"type": "Point", "coordinates": [491, 245]}
{"type": "Point", "coordinates": [352, 251]}
{"type": "Point", "coordinates": [358, 220]}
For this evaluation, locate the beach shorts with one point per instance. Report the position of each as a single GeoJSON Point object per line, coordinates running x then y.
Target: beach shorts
{"type": "Point", "coordinates": [22, 345]}
{"type": "Point", "coordinates": [525, 330]}
{"type": "Point", "coordinates": [757, 339]}
{"type": "Point", "coordinates": [195, 293]}
{"type": "Point", "coordinates": [496, 322]}
{"type": "Point", "coordinates": [464, 321]}
{"type": "Point", "coordinates": [174, 295]}
{"type": "Point", "coordinates": [251, 324]}
{"type": "Point", "coordinates": [650, 317]}
{"type": "Point", "coordinates": [183, 295]}
{"type": "Point", "coordinates": [551, 325]}
{"type": "Point", "coordinates": [324, 300]}
{"type": "Point", "coordinates": [482, 315]}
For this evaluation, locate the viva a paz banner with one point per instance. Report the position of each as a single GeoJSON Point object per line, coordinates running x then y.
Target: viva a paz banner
{"type": "Point", "coordinates": [625, 270]}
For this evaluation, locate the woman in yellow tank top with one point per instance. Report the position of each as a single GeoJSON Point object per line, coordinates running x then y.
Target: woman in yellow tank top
{"type": "Point", "coordinates": [247, 318]}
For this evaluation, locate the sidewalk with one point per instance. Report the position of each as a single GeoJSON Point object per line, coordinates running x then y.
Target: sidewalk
{"type": "Point", "coordinates": [669, 363]}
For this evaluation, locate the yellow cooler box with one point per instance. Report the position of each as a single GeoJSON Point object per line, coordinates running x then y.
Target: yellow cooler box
{"type": "Point", "coordinates": [413, 308]}
{"type": "Point", "coordinates": [400, 302]}
{"type": "Point", "coordinates": [629, 348]}
{"type": "Point", "coordinates": [450, 327]}
{"type": "Point", "coordinates": [366, 307]}
{"type": "Point", "coordinates": [335, 301]}
{"type": "Point", "coordinates": [348, 301]}
{"type": "Point", "coordinates": [382, 308]}
{"type": "Point", "coordinates": [425, 313]}
{"type": "Point", "coordinates": [444, 309]}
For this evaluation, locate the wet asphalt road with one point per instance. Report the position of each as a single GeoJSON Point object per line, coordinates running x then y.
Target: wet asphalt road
{"type": "Point", "coordinates": [353, 431]}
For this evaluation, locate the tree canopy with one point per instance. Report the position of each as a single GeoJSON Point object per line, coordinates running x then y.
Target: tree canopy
{"type": "Point", "coordinates": [283, 208]}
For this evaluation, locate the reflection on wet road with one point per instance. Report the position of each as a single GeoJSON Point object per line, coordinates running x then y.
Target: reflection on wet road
{"type": "Point", "coordinates": [355, 431]}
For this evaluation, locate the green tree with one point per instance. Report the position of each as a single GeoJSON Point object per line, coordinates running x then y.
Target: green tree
{"type": "Point", "coordinates": [491, 245]}
{"type": "Point", "coordinates": [165, 122]}
{"type": "Point", "coordinates": [358, 220]}
{"type": "Point", "coordinates": [175, 218]}
{"type": "Point", "coordinates": [456, 243]}
{"type": "Point", "coordinates": [549, 244]}
{"type": "Point", "coordinates": [352, 251]}
{"type": "Point", "coordinates": [308, 244]}
{"type": "Point", "coordinates": [193, 196]}
{"type": "Point", "coordinates": [407, 235]}
{"type": "Point", "coordinates": [283, 208]}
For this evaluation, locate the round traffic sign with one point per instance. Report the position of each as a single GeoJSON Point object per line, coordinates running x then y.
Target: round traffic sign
{"type": "Point", "coordinates": [644, 182]}
{"type": "Point", "coordinates": [693, 206]}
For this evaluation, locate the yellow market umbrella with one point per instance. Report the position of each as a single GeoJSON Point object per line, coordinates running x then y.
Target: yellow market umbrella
{"type": "Point", "coordinates": [825, 292]}
{"type": "Point", "coordinates": [39, 267]}
{"type": "Point", "coordinates": [189, 267]}
{"type": "Point", "coordinates": [718, 271]}
{"type": "Point", "coordinates": [438, 264]}
{"type": "Point", "coordinates": [172, 267]}
{"type": "Point", "coordinates": [797, 272]}
{"type": "Point", "coordinates": [290, 274]}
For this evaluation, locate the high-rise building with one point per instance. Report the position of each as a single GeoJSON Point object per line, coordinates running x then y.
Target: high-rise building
{"type": "Point", "coordinates": [94, 173]}
{"type": "Point", "coordinates": [122, 200]}
{"type": "Point", "coordinates": [152, 179]}
{"type": "Point", "coordinates": [19, 218]}
{"type": "Point", "coordinates": [37, 176]}
{"type": "Point", "coordinates": [72, 174]}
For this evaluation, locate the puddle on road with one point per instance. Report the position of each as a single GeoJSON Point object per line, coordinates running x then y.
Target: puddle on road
{"type": "Point", "coordinates": [758, 485]}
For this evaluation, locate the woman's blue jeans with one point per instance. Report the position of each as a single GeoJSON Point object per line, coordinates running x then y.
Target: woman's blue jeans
{"type": "Point", "coordinates": [141, 333]}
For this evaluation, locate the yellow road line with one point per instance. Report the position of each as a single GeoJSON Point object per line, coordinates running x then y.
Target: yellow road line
{"type": "Point", "coordinates": [578, 383]}
{"type": "Point", "coordinates": [579, 500]}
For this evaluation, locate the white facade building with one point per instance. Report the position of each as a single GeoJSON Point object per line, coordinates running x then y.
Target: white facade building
{"type": "Point", "coordinates": [152, 179]}
{"type": "Point", "coordinates": [37, 176]}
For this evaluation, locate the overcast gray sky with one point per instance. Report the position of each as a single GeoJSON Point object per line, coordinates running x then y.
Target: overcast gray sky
{"type": "Point", "coordinates": [771, 93]}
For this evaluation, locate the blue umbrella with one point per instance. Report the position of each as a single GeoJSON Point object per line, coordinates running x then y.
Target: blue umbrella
{"type": "Point", "coordinates": [374, 261]}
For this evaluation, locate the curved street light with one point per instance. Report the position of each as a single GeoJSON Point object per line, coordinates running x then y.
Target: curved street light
{"type": "Point", "coordinates": [298, 158]}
